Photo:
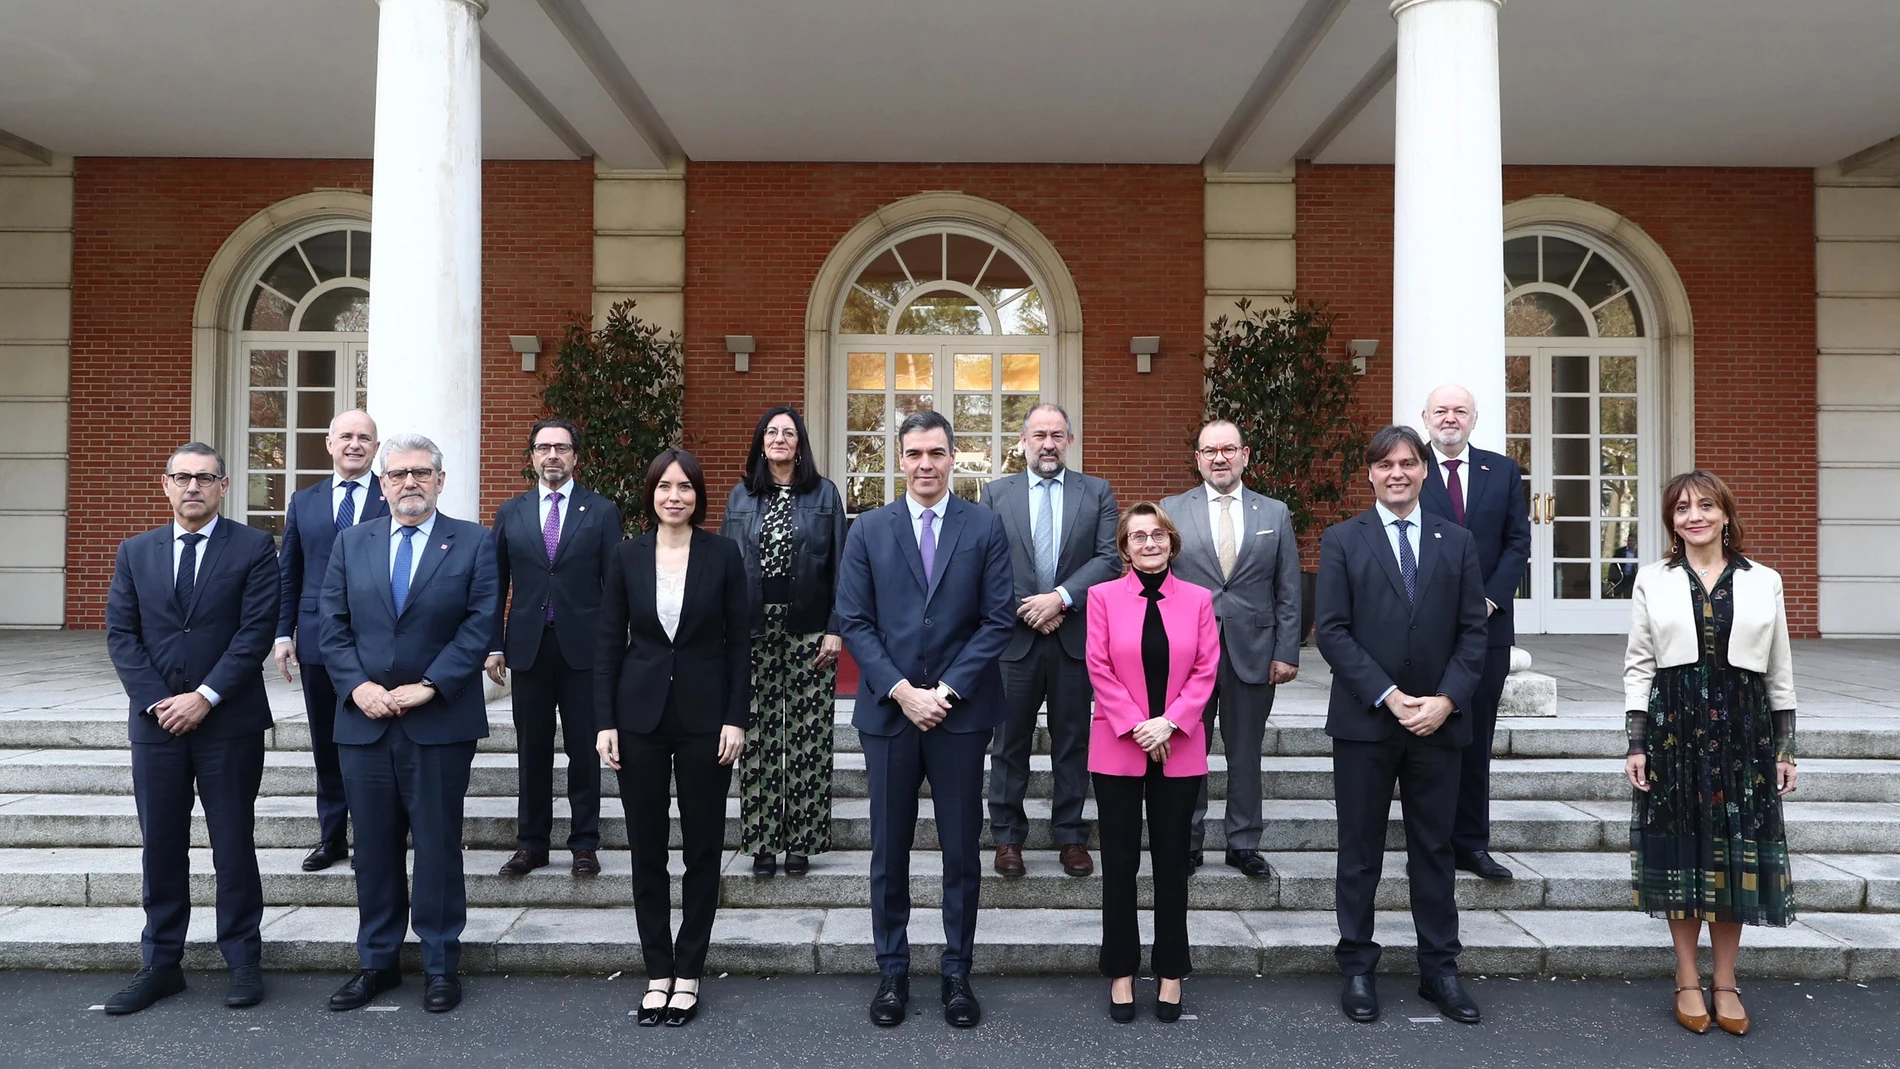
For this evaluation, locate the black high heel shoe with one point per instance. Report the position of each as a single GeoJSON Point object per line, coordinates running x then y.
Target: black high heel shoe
{"type": "Point", "coordinates": [1121, 1012]}
{"type": "Point", "coordinates": [652, 1015]}
{"type": "Point", "coordinates": [677, 1016]}
{"type": "Point", "coordinates": [1166, 1012]}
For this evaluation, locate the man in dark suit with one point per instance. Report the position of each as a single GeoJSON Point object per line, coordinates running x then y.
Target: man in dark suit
{"type": "Point", "coordinates": [1061, 526]}
{"type": "Point", "coordinates": [924, 596]}
{"type": "Point", "coordinates": [1241, 546]}
{"type": "Point", "coordinates": [1483, 492]}
{"type": "Point", "coordinates": [408, 610]}
{"type": "Point", "coordinates": [316, 513]}
{"type": "Point", "coordinates": [1400, 619]}
{"type": "Point", "coordinates": [188, 621]}
{"type": "Point", "coordinates": [553, 542]}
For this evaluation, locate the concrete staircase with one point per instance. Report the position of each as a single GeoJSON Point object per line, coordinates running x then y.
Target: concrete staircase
{"type": "Point", "coordinates": [70, 883]}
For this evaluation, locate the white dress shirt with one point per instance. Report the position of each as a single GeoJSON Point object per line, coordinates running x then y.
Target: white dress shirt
{"type": "Point", "coordinates": [419, 543]}
{"type": "Point", "coordinates": [1389, 519]}
{"type": "Point", "coordinates": [360, 496]}
{"type": "Point", "coordinates": [1056, 486]}
{"type": "Point", "coordinates": [669, 598]}
{"type": "Point", "coordinates": [566, 490]}
{"type": "Point", "coordinates": [1464, 473]}
{"type": "Point", "coordinates": [197, 569]}
{"type": "Point", "coordinates": [1236, 510]}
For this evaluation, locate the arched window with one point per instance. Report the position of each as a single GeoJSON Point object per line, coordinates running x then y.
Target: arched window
{"type": "Point", "coordinates": [303, 357]}
{"type": "Point", "coordinates": [947, 318]}
{"type": "Point", "coordinates": [1556, 288]}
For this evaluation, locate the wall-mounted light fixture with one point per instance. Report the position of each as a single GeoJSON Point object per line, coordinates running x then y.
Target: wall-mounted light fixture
{"type": "Point", "coordinates": [1362, 349]}
{"type": "Point", "coordinates": [529, 346]}
{"type": "Point", "coordinates": [1144, 348]}
{"type": "Point", "coordinates": [741, 346]}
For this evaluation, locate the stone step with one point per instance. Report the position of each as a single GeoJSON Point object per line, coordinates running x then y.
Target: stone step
{"type": "Point", "coordinates": [777, 942]}
{"type": "Point", "coordinates": [292, 772]}
{"type": "Point", "coordinates": [1834, 883]}
{"type": "Point", "coordinates": [67, 820]}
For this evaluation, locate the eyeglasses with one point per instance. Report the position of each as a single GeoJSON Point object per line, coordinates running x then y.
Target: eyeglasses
{"type": "Point", "coordinates": [1218, 452]}
{"type": "Point", "coordinates": [542, 449]}
{"type": "Point", "coordinates": [786, 433]}
{"type": "Point", "coordinates": [186, 478]}
{"type": "Point", "coordinates": [1142, 538]}
{"type": "Point", "coordinates": [403, 475]}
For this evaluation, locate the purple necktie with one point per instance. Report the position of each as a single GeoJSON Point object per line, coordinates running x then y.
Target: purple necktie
{"type": "Point", "coordinates": [1457, 491]}
{"type": "Point", "coordinates": [551, 538]}
{"type": "Point", "coordinates": [928, 545]}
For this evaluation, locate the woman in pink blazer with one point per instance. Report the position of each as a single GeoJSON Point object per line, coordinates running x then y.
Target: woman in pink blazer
{"type": "Point", "coordinates": [1153, 650]}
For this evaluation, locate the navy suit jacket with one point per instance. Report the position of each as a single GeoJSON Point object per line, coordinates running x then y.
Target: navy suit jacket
{"type": "Point", "coordinates": [949, 630]}
{"type": "Point", "coordinates": [161, 648]}
{"type": "Point", "coordinates": [1500, 523]}
{"type": "Point", "coordinates": [442, 634]}
{"type": "Point", "coordinates": [1373, 638]}
{"type": "Point", "coordinates": [309, 532]}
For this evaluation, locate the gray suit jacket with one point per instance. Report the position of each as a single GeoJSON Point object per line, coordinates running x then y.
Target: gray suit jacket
{"type": "Point", "coordinates": [1087, 555]}
{"type": "Point", "coordinates": [1259, 605]}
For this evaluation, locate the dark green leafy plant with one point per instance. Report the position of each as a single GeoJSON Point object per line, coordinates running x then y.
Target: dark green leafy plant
{"type": "Point", "coordinates": [623, 386]}
{"type": "Point", "coordinates": [1270, 374]}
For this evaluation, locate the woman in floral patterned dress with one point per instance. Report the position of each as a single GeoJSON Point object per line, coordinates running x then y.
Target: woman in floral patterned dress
{"type": "Point", "coordinates": [790, 525]}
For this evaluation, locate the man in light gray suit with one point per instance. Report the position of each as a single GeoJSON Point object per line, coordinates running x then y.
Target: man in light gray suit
{"type": "Point", "coordinates": [1061, 528]}
{"type": "Point", "coordinates": [1241, 546]}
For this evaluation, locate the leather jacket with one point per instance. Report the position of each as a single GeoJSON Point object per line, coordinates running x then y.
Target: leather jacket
{"type": "Point", "coordinates": [818, 530]}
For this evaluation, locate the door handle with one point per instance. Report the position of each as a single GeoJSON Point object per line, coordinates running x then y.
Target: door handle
{"type": "Point", "coordinates": [1550, 508]}
{"type": "Point", "coordinates": [1537, 508]}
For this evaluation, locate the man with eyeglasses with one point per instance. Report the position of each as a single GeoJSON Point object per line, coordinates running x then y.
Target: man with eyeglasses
{"type": "Point", "coordinates": [316, 514]}
{"type": "Point", "coordinates": [552, 543]}
{"type": "Point", "coordinates": [407, 613]}
{"type": "Point", "coordinates": [1241, 546]}
{"type": "Point", "coordinates": [188, 620]}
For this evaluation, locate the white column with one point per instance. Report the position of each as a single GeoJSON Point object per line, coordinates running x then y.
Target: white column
{"type": "Point", "coordinates": [1448, 212]}
{"type": "Point", "coordinates": [425, 369]}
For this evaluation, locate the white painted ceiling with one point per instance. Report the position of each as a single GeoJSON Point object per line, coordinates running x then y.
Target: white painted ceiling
{"type": "Point", "coordinates": [1688, 82]}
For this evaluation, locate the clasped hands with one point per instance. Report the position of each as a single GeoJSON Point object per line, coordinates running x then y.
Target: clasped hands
{"type": "Point", "coordinates": [182, 712]}
{"type": "Point", "coordinates": [379, 702]}
{"type": "Point", "coordinates": [1420, 716]}
{"type": "Point", "coordinates": [1152, 736]}
{"type": "Point", "coordinates": [1042, 611]}
{"type": "Point", "coordinates": [925, 708]}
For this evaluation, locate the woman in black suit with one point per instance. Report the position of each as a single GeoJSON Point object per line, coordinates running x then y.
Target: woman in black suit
{"type": "Point", "coordinates": [673, 683]}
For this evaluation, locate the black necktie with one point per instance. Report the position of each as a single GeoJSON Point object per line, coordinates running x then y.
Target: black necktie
{"type": "Point", "coordinates": [1408, 564]}
{"type": "Point", "coordinates": [187, 577]}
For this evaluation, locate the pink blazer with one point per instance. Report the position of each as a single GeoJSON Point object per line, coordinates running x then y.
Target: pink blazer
{"type": "Point", "coordinates": [1115, 615]}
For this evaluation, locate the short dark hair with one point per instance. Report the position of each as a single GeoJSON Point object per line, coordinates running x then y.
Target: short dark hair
{"type": "Point", "coordinates": [196, 449]}
{"type": "Point", "coordinates": [1391, 437]}
{"type": "Point", "coordinates": [758, 470]}
{"type": "Point", "coordinates": [690, 465]}
{"type": "Point", "coordinates": [573, 432]}
{"type": "Point", "coordinates": [927, 419]}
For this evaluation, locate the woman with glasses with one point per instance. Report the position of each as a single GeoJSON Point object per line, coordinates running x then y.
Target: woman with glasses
{"type": "Point", "coordinates": [1153, 651]}
{"type": "Point", "coordinates": [789, 523]}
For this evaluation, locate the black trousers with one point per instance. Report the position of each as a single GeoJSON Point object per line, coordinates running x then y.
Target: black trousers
{"type": "Point", "coordinates": [319, 707]}
{"type": "Point", "coordinates": [1046, 672]}
{"type": "Point", "coordinates": [226, 774]}
{"type": "Point", "coordinates": [1427, 777]}
{"type": "Point", "coordinates": [539, 692]}
{"type": "Point", "coordinates": [648, 763]}
{"type": "Point", "coordinates": [1170, 806]}
{"type": "Point", "coordinates": [1471, 831]}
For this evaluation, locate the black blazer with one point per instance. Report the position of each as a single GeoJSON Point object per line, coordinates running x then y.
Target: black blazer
{"type": "Point", "coordinates": [1500, 523]}
{"type": "Point", "coordinates": [161, 648]}
{"type": "Point", "coordinates": [573, 579]}
{"type": "Point", "coordinates": [818, 530]}
{"type": "Point", "coordinates": [706, 667]}
{"type": "Point", "coordinates": [1374, 639]}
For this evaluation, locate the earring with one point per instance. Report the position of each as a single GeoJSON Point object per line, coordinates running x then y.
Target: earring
{"type": "Point", "coordinates": [1725, 536]}
{"type": "Point", "coordinates": [1675, 545]}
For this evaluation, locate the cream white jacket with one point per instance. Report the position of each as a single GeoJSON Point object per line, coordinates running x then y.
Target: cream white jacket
{"type": "Point", "coordinates": [1664, 632]}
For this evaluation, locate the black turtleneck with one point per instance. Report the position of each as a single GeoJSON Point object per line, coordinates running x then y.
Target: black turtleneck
{"type": "Point", "coordinates": [1154, 642]}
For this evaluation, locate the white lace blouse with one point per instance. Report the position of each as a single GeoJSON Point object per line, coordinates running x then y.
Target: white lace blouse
{"type": "Point", "coordinates": [669, 594]}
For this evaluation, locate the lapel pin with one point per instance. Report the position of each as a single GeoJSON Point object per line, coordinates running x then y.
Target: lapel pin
{"type": "Point", "coordinates": [445, 547]}
{"type": "Point", "coordinates": [583, 508]}
{"type": "Point", "coordinates": [1484, 467]}
{"type": "Point", "coordinates": [1436, 534]}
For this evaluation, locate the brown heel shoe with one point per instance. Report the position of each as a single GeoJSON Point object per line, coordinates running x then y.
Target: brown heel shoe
{"type": "Point", "coordinates": [1694, 1022]}
{"type": "Point", "coordinates": [1734, 1026]}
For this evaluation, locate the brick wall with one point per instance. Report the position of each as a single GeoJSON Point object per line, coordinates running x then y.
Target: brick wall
{"type": "Point", "coordinates": [756, 235]}
{"type": "Point", "coordinates": [1742, 241]}
{"type": "Point", "coordinates": [145, 231]}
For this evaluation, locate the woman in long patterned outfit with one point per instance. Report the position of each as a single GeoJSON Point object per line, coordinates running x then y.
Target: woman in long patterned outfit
{"type": "Point", "coordinates": [790, 525]}
{"type": "Point", "coordinates": [1710, 691]}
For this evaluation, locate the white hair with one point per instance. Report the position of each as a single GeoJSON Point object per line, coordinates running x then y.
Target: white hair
{"type": "Point", "coordinates": [408, 443]}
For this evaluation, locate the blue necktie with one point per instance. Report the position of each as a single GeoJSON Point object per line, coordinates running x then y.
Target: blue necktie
{"type": "Point", "coordinates": [1408, 564]}
{"type": "Point", "coordinates": [1045, 538]}
{"type": "Point", "coordinates": [346, 512]}
{"type": "Point", "coordinates": [399, 575]}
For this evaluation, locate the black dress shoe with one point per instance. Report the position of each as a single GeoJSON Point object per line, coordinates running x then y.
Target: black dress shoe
{"type": "Point", "coordinates": [323, 855]}
{"type": "Point", "coordinates": [1196, 859]}
{"type": "Point", "coordinates": [1167, 1012]}
{"type": "Point", "coordinates": [443, 993]}
{"type": "Point", "coordinates": [586, 863]}
{"type": "Point", "coordinates": [523, 862]}
{"type": "Point", "coordinates": [1360, 1000]}
{"type": "Point", "coordinates": [1121, 1012]}
{"type": "Point", "coordinates": [677, 1015]}
{"type": "Point", "coordinates": [764, 864]}
{"type": "Point", "coordinates": [893, 994]}
{"type": "Point", "coordinates": [148, 986]}
{"type": "Point", "coordinates": [247, 986]}
{"type": "Point", "coordinates": [1250, 862]}
{"type": "Point", "coordinates": [797, 864]}
{"type": "Point", "coordinates": [1451, 998]}
{"type": "Point", "coordinates": [960, 1007]}
{"type": "Point", "coordinates": [1484, 865]}
{"type": "Point", "coordinates": [652, 1015]}
{"type": "Point", "coordinates": [365, 985]}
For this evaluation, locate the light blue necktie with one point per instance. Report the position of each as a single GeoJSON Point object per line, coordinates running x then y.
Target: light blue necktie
{"type": "Point", "coordinates": [405, 562]}
{"type": "Point", "coordinates": [1408, 564]}
{"type": "Point", "coordinates": [1045, 538]}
